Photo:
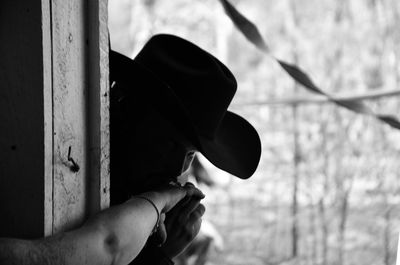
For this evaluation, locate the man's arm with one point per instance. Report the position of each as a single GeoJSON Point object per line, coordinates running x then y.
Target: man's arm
{"type": "Point", "coordinates": [182, 224]}
{"type": "Point", "coordinates": [114, 236]}
{"type": "Point", "coordinates": [16, 251]}
{"type": "Point", "coordinates": [62, 248]}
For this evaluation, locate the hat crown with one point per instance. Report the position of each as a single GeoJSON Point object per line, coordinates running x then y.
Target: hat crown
{"type": "Point", "coordinates": [203, 85]}
{"type": "Point", "coordinates": [191, 89]}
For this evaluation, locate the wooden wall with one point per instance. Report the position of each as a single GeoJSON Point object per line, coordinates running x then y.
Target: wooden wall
{"type": "Point", "coordinates": [53, 97]}
{"type": "Point", "coordinates": [25, 86]}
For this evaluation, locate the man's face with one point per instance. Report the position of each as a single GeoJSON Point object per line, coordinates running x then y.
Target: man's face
{"type": "Point", "coordinates": [159, 153]}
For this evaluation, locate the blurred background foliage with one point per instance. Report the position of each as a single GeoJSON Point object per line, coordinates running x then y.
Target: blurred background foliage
{"type": "Point", "coordinates": [327, 189]}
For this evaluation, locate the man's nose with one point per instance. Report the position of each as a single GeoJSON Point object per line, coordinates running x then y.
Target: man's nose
{"type": "Point", "coordinates": [183, 178]}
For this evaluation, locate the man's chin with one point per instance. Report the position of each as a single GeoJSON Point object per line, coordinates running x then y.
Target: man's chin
{"type": "Point", "coordinates": [183, 178]}
{"type": "Point", "coordinates": [155, 180]}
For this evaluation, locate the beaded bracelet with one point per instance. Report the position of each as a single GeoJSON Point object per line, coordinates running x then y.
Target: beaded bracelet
{"type": "Point", "coordinates": [157, 211]}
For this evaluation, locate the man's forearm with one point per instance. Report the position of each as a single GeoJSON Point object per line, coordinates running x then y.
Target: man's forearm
{"type": "Point", "coordinates": [25, 252]}
{"type": "Point", "coordinates": [128, 226]}
{"type": "Point", "coordinates": [114, 236]}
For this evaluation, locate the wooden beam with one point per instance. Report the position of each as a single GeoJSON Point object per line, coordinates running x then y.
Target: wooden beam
{"type": "Point", "coordinates": [25, 119]}
{"type": "Point", "coordinates": [69, 113]}
{"type": "Point", "coordinates": [98, 106]}
{"type": "Point", "coordinates": [48, 117]}
{"type": "Point", "coordinates": [80, 87]}
{"type": "Point", "coordinates": [54, 132]}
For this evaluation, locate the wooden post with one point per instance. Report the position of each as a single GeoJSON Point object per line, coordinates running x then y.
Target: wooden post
{"type": "Point", "coordinates": [54, 145]}
{"type": "Point", "coordinates": [98, 106]}
{"type": "Point", "coordinates": [80, 94]}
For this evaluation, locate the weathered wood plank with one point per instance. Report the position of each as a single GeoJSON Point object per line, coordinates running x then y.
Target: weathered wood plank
{"type": "Point", "coordinates": [48, 117]}
{"type": "Point", "coordinates": [104, 106]}
{"type": "Point", "coordinates": [81, 110]}
{"type": "Point", "coordinates": [69, 113]}
{"type": "Point", "coordinates": [98, 107]}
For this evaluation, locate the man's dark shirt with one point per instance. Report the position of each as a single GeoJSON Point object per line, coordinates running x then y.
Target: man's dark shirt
{"type": "Point", "coordinates": [151, 254]}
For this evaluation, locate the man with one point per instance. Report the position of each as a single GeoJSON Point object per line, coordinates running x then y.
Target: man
{"type": "Point", "coordinates": [166, 104]}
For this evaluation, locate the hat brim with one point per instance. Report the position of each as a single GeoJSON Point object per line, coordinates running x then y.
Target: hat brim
{"type": "Point", "coordinates": [236, 147]}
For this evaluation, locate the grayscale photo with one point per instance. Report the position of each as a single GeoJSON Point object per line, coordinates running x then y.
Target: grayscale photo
{"type": "Point", "coordinates": [214, 132]}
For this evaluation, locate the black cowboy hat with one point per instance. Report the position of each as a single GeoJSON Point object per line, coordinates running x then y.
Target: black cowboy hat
{"type": "Point", "coordinates": [192, 89]}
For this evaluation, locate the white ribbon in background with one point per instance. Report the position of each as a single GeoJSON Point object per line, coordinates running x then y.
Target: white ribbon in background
{"type": "Point", "coordinates": [251, 32]}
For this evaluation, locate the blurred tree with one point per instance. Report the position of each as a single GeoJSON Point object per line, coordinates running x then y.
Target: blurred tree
{"type": "Point", "coordinates": [314, 199]}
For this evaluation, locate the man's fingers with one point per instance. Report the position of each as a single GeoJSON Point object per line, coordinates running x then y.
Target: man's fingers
{"type": "Point", "coordinates": [175, 212]}
{"type": "Point", "coordinates": [197, 213]}
{"type": "Point", "coordinates": [193, 224]}
{"type": "Point", "coordinates": [182, 212]}
{"type": "Point", "coordinates": [196, 227]}
{"type": "Point", "coordinates": [192, 191]}
{"type": "Point", "coordinates": [189, 208]}
{"type": "Point", "coordinates": [161, 235]}
{"type": "Point", "coordinates": [176, 194]}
